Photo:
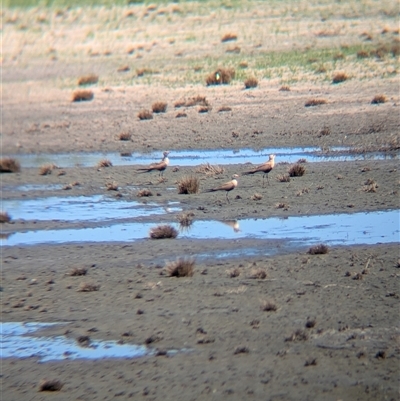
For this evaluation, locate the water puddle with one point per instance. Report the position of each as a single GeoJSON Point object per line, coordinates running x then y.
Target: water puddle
{"type": "Point", "coordinates": [197, 157]}
{"type": "Point", "coordinates": [83, 208]}
{"type": "Point", "coordinates": [17, 342]}
{"type": "Point", "coordinates": [334, 229]}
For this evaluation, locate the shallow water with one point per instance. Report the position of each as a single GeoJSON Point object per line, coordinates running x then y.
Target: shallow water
{"type": "Point", "coordinates": [333, 229]}
{"type": "Point", "coordinates": [17, 343]}
{"type": "Point", "coordinates": [197, 157]}
{"type": "Point", "coordinates": [83, 208]}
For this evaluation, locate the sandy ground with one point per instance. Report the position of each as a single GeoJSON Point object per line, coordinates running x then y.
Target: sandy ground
{"type": "Point", "coordinates": [334, 331]}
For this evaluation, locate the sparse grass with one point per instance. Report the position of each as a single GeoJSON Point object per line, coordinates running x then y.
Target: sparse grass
{"type": "Point", "coordinates": [182, 267]}
{"type": "Point", "coordinates": [112, 186]}
{"type": "Point", "coordinates": [258, 273]}
{"type": "Point", "coordinates": [82, 95]}
{"type": "Point", "coordinates": [159, 107]}
{"type": "Point", "coordinates": [379, 99]}
{"type": "Point", "coordinates": [104, 163]}
{"type": "Point", "coordinates": [181, 115]}
{"type": "Point", "coordinates": [371, 187]}
{"type": "Point", "coordinates": [339, 77]}
{"type": "Point", "coordinates": [188, 185]}
{"type": "Point", "coordinates": [9, 165]}
{"type": "Point", "coordinates": [185, 219]}
{"type": "Point", "coordinates": [243, 64]}
{"type": "Point", "coordinates": [78, 271]}
{"type": "Point", "coordinates": [224, 108]}
{"type": "Point", "coordinates": [315, 102]}
{"type": "Point", "coordinates": [310, 362]}
{"type": "Point", "coordinates": [282, 205]}
{"type": "Point", "coordinates": [50, 385]}
{"type": "Point", "coordinates": [234, 272]}
{"type": "Point", "coordinates": [194, 101]}
{"type": "Point", "coordinates": [88, 287]}
{"type": "Point", "coordinates": [209, 169]}
{"type": "Point", "coordinates": [221, 76]}
{"type": "Point", "coordinates": [4, 217]}
{"type": "Point", "coordinates": [88, 80]}
{"type": "Point", "coordinates": [268, 306]}
{"type": "Point", "coordinates": [297, 170]}
{"type": "Point", "coordinates": [256, 197]}
{"type": "Point", "coordinates": [298, 335]}
{"type": "Point", "coordinates": [145, 114]}
{"type": "Point", "coordinates": [204, 109]}
{"type": "Point", "coordinates": [283, 177]}
{"type": "Point", "coordinates": [325, 131]}
{"type": "Point", "coordinates": [361, 54]}
{"type": "Point", "coordinates": [123, 68]}
{"type": "Point", "coordinates": [142, 71]}
{"type": "Point", "coordinates": [251, 83]}
{"type": "Point", "coordinates": [228, 37]}
{"type": "Point", "coordinates": [284, 88]}
{"type": "Point", "coordinates": [163, 231]}
{"type": "Point", "coordinates": [124, 136]}
{"type": "Point", "coordinates": [320, 249]}
{"type": "Point", "coordinates": [47, 169]}
{"type": "Point", "coordinates": [144, 193]}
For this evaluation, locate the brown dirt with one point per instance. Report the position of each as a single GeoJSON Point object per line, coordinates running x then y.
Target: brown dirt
{"type": "Point", "coordinates": [234, 349]}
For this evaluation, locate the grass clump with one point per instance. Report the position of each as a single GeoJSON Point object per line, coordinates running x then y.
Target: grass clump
{"type": "Point", "coordinates": [194, 101]}
{"type": "Point", "coordinates": [50, 385]}
{"type": "Point", "coordinates": [104, 163]}
{"type": "Point", "coordinates": [182, 267]}
{"type": "Point", "coordinates": [88, 287]}
{"type": "Point", "coordinates": [9, 165]}
{"type": "Point", "coordinates": [144, 193]}
{"type": "Point", "coordinates": [259, 274]}
{"type": "Point", "coordinates": [222, 76]}
{"type": "Point", "coordinates": [297, 170]}
{"type": "Point", "coordinates": [228, 37]}
{"type": "Point", "coordinates": [284, 88]}
{"type": "Point", "coordinates": [315, 102]}
{"type": "Point", "coordinates": [123, 68]}
{"type": "Point", "coordinates": [47, 169]}
{"type": "Point", "coordinates": [4, 217]}
{"type": "Point", "coordinates": [256, 197]}
{"type": "Point", "coordinates": [251, 83]}
{"type": "Point", "coordinates": [379, 99]}
{"type": "Point", "coordinates": [112, 186]}
{"type": "Point", "coordinates": [209, 169]}
{"type": "Point", "coordinates": [159, 107]}
{"type": "Point", "coordinates": [319, 249]}
{"type": "Point", "coordinates": [234, 272]}
{"type": "Point", "coordinates": [82, 95]}
{"type": "Point", "coordinates": [125, 136]}
{"type": "Point", "coordinates": [188, 185]}
{"type": "Point", "coordinates": [145, 115]}
{"type": "Point", "coordinates": [268, 306]}
{"type": "Point", "coordinates": [185, 219]}
{"type": "Point", "coordinates": [78, 271]}
{"type": "Point", "coordinates": [163, 231]}
{"type": "Point", "coordinates": [88, 80]}
{"type": "Point", "coordinates": [339, 77]}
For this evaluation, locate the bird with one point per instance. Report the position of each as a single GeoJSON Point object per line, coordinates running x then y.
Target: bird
{"type": "Point", "coordinates": [263, 168]}
{"type": "Point", "coordinates": [228, 186]}
{"type": "Point", "coordinates": [234, 224]}
{"type": "Point", "coordinates": [160, 166]}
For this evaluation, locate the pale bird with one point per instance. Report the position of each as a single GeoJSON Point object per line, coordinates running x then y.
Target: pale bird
{"type": "Point", "coordinates": [228, 186]}
{"type": "Point", "coordinates": [263, 168]}
{"type": "Point", "coordinates": [234, 224]}
{"type": "Point", "coordinates": [160, 166]}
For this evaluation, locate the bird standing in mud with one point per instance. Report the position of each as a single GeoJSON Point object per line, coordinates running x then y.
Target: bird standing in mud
{"type": "Point", "coordinates": [160, 166]}
{"type": "Point", "coordinates": [263, 168]}
{"type": "Point", "coordinates": [228, 186]}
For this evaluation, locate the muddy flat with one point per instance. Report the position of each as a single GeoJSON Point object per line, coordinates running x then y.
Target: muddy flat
{"type": "Point", "coordinates": [258, 316]}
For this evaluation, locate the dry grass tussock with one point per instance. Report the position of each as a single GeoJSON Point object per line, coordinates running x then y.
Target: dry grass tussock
{"type": "Point", "coordinates": [78, 271]}
{"type": "Point", "coordinates": [194, 101]}
{"type": "Point", "coordinates": [144, 193]}
{"type": "Point", "coordinates": [251, 83]}
{"type": "Point", "coordinates": [315, 102]}
{"type": "Point", "coordinates": [209, 169]}
{"type": "Point", "coordinates": [284, 88]}
{"type": "Point", "coordinates": [339, 77]}
{"type": "Point", "coordinates": [123, 68]}
{"type": "Point", "coordinates": [268, 306]}
{"type": "Point", "coordinates": [185, 219]}
{"type": "Point", "coordinates": [379, 99]}
{"type": "Point", "coordinates": [4, 217]}
{"type": "Point", "coordinates": [145, 115]}
{"type": "Point", "coordinates": [82, 95]}
{"type": "Point", "coordinates": [234, 272]}
{"type": "Point", "coordinates": [297, 170]}
{"type": "Point", "coordinates": [283, 178]}
{"type": "Point", "coordinates": [50, 385]}
{"type": "Point", "coordinates": [112, 186]}
{"type": "Point", "coordinates": [258, 273]}
{"type": "Point", "coordinates": [9, 165]}
{"type": "Point", "coordinates": [188, 185]}
{"type": "Point", "coordinates": [88, 79]}
{"type": "Point", "coordinates": [159, 107]}
{"type": "Point", "coordinates": [182, 267]}
{"type": "Point", "coordinates": [319, 249]}
{"type": "Point", "coordinates": [224, 108]}
{"type": "Point", "coordinates": [47, 169]}
{"type": "Point", "coordinates": [227, 37]}
{"type": "Point", "coordinates": [124, 136]}
{"type": "Point", "coordinates": [298, 335]}
{"type": "Point", "coordinates": [221, 76]}
{"type": "Point", "coordinates": [104, 163]}
{"type": "Point", "coordinates": [163, 231]}
{"type": "Point", "coordinates": [88, 287]}
{"type": "Point", "coordinates": [256, 197]}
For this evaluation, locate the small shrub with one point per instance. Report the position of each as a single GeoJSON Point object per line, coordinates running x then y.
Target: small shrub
{"type": "Point", "coordinates": [259, 274]}
{"type": "Point", "coordinates": [371, 187]}
{"type": "Point", "coordinates": [145, 115]}
{"type": "Point", "coordinates": [4, 217]}
{"type": "Point", "coordinates": [144, 193]}
{"type": "Point", "coordinates": [379, 99]}
{"type": "Point", "coordinates": [297, 170]}
{"type": "Point", "coordinates": [282, 205]}
{"type": "Point", "coordinates": [268, 306]}
{"type": "Point", "coordinates": [320, 249]}
{"type": "Point", "coordinates": [298, 335]}
{"type": "Point", "coordinates": [233, 49]}
{"type": "Point", "coordinates": [194, 101]}
{"type": "Point", "coordinates": [284, 88]}
{"type": "Point", "coordinates": [125, 136]}
{"type": "Point", "coordinates": [251, 83]}
{"type": "Point", "coordinates": [182, 267]}
{"type": "Point", "coordinates": [224, 108]}
{"type": "Point", "coordinates": [88, 287]}
{"type": "Point", "coordinates": [302, 161]}
{"type": "Point", "coordinates": [188, 185]}
{"type": "Point", "coordinates": [104, 163]}
{"type": "Point", "coordinates": [181, 115]}
{"type": "Point", "coordinates": [159, 107]}
{"type": "Point", "coordinates": [362, 54]}
{"type": "Point", "coordinates": [78, 271]}
{"type": "Point", "coordinates": [163, 231]}
{"type": "Point", "coordinates": [321, 69]}
{"type": "Point", "coordinates": [243, 64]}
{"type": "Point", "coordinates": [256, 197]}
{"type": "Point", "coordinates": [315, 102]}
{"type": "Point", "coordinates": [221, 76]}
{"type": "Point", "coordinates": [339, 77]}
{"type": "Point", "coordinates": [283, 178]}
{"type": "Point", "coordinates": [232, 273]}
{"type": "Point", "coordinates": [50, 385]}
{"type": "Point", "coordinates": [185, 219]}
{"type": "Point", "coordinates": [310, 323]}
{"type": "Point", "coordinates": [112, 186]}
{"type": "Point", "coordinates": [209, 169]}
{"type": "Point", "coordinates": [204, 109]}
{"type": "Point", "coordinates": [325, 131]}
{"type": "Point", "coordinates": [82, 95]}
{"type": "Point", "coordinates": [310, 362]}
{"type": "Point", "coordinates": [123, 68]}
{"type": "Point", "coordinates": [46, 169]}
{"type": "Point", "coordinates": [9, 165]}
{"type": "Point", "coordinates": [88, 80]}
{"type": "Point", "coordinates": [228, 37]}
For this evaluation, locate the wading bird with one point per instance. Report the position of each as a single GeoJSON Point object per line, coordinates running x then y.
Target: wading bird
{"type": "Point", "coordinates": [160, 166]}
{"type": "Point", "coordinates": [263, 168]}
{"type": "Point", "coordinates": [228, 186]}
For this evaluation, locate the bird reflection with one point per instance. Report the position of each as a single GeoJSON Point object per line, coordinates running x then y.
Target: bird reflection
{"type": "Point", "coordinates": [234, 224]}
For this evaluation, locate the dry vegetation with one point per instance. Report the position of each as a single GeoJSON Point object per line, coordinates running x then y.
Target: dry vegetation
{"type": "Point", "coordinates": [9, 165]}
{"type": "Point", "coordinates": [182, 267]}
{"type": "Point", "coordinates": [258, 273]}
{"type": "Point", "coordinates": [188, 185]}
{"type": "Point", "coordinates": [185, 219]}
{"type": "Point", "coordinates": [339, 77]}
{"type": "Point", "coordinates": [144, 193]}
{"type": "Point", "coordinates": [47, 169]}
{"type": "Point", "coordinates": [251, 83]}
{"type": "Point", "coordinates": [78, 271]}
{"type": "Point", "coordinates": [209, 169]}
{"type": "Point", "coordinates": [145, 115]}
{"type": "Point", "coordinates": [256, 197]}
{"type": "Point", "coordinates": [124, 136]}
{"type": "Point", "coordinates": [163, 231]}
{"type": "Point", "coordinates": [88, 80]}
{"type": "Point", "coordinates": [222, 76]}
{"type": "Point", "coordinates": [268, 306]}
{"type": "Point", "coordinates": [112, 186]}
{"type": "Point", "coordinates": [81, 95]}
{"type": "Point", "coordinates": [284, 88]}
{"type": "Point", "coordinates": [159, 107]}
{"type": "Point", "coordinates": [315, 102]}
{"type": "Point", "coordinates": [50, 385]}
{"type": "Point", "coordinates": [297, 170]}
{"type": "Point", "coordinates": [104, 163]}
{"type": "Point", "coordinates": [319, 249]}
{"type": "Point", "coordinates": [193, 101]}
{"type": "Point", "coordinates": [379, 99]}
{"type": "Point", "coordinates": [4, 217]}
{"type": "Point", "coordinates": [228, 37]}
{"type": "Point", "coordinates": [88, 287]}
